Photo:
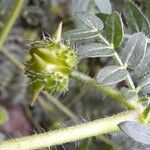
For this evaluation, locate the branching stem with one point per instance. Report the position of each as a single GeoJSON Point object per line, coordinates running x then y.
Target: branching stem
{"type": "Point", "coordinates": [70, 134]}
{"type": "Point", "coordinates": [117, 96]}
{"type": "Point", "coordinates": [128, 79]}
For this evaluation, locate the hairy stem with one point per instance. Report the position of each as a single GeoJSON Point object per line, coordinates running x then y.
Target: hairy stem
{"type": "Point", "coordinates": [70, 134]}
{"type": "Point", "coordinates": [117, 96]}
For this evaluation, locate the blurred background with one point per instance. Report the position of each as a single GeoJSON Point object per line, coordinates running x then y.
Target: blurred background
{"type": "Point", "coordinates": [83, 103]}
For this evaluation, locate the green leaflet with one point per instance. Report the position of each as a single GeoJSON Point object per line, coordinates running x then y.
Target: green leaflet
{"type": "Point", "coordinates": [135, 18]}
{"type": "Point", "coordinates": [114, 29]}
{"type": "Point", "coordinates": [104, 6]}
{"type": "Point", "coordinates": [144, 83]}
{"type": "Point", "coordinates": [90, 20]}
{"type": "Point", "coordinates": [95, 50]}
{"type": "Point", "coordinates": [134, 51]}
{"type": "Point", "coordinates": [145, 116]}
{"type": "Point", "coordinates": [80, 34]}
{"type": "Point", "coordinates": [111, 75]}
{"type": "Point", "coordinates": [129, 94]}
{"type": "Point", "coordinates": [85, 144]}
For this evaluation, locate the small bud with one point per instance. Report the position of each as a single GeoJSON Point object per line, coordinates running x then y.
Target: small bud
{"type": "Point", "coordinates": [49, 66]}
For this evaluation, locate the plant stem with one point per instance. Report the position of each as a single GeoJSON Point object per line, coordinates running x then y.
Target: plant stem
{"type": "Point", "coordinates": [118, 60]}
{"type": "Point", "coordinates": [70, 134]}
{"type": "Point", "coordinates": [82, 77]}
{"type": "Point", "coordinates": [103, 89]}
{"type": "Point", "coordinates": [128, 79]}
{"type": "Point", "coordinates": [130, 82]}
{"type": "Point", "coordinates": [104, 40]}
{"type": "Point", "coordinates": [11, 20]}
{"type": "Point", "coordinates": [64, 109]}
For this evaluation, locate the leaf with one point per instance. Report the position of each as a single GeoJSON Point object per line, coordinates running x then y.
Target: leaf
{"type": "Point", "coordinates": [135, 19]}
{"type": "Point", "coordinates": [136, 131]}
{"type": "Point", "coordinates": [147, 9]}
{"type": "Point", "coordinates": [79, 5]}
{"type": "Point", "coordinates": [102, 17]}
{"type": "Point", "coordinates": [90, 20]}
{"type": "Point", "coordinates": [114, 29]}
{"type": "Point", "coordinates": [95, 50]}
{"type": "Point", "coordinates": [80, 34]}
{"type": "Point", "coordinates": [145, 64]}
{"type": "Point", "coordinates": [134, 50]}
{"type": "Point", "coordinates": [145, 116]}
{"type": "Point", "coordinates": [144, 83]}
{"type": "Point", "coordinates": [128, 93]}
{"type": "Point", "coordinates": [104, 6]}
{"type": "Point", "coordinates": [143, 99]}
{"type": "Point", "coordinates": [3, 115]}
{"type": "Point", "coordinates": [111, 75]}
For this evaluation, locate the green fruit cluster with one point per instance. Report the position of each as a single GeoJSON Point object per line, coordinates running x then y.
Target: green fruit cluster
{"type": "Point", "coordinates": [49, 66]}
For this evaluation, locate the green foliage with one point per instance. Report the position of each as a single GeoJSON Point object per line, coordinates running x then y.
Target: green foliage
{"type": "Point", "coordinates": [125, 66]}
{"type": "Point", "coordinates": [134, 51]}
{"type": "Point", "coordinates": [144, 83]}
{"type": "Point", "coordinates": [111, 75]}
{"type": "Point", "coordinates": [85, 144]}
{"type": "Point", "coordinates": [80, 34]}
{"type": "Point", "coordinates": [145, 116]}
{"type": "Point", "coordinates": [90, 20]}
{"type": "Point", "coordinates": [129, 94]}
{"type": "Point", "coordinates": [95, 50]}
{"type": "Point", "coordinates": [147, 10]}
{"type": "Point", "coordinates": [104, 6]}
{"type": "Point", "coordinates": [114, 29]}
{"type": "Point", "coordinates": [132, 58]}
{"type": "Point", "coordinates": [136, 131]}
{"type": "Point", "coordinates": [135, 18]}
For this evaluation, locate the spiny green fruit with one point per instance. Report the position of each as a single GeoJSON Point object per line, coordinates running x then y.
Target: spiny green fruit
{"type": "Point", "coordinates": [50, 64]}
